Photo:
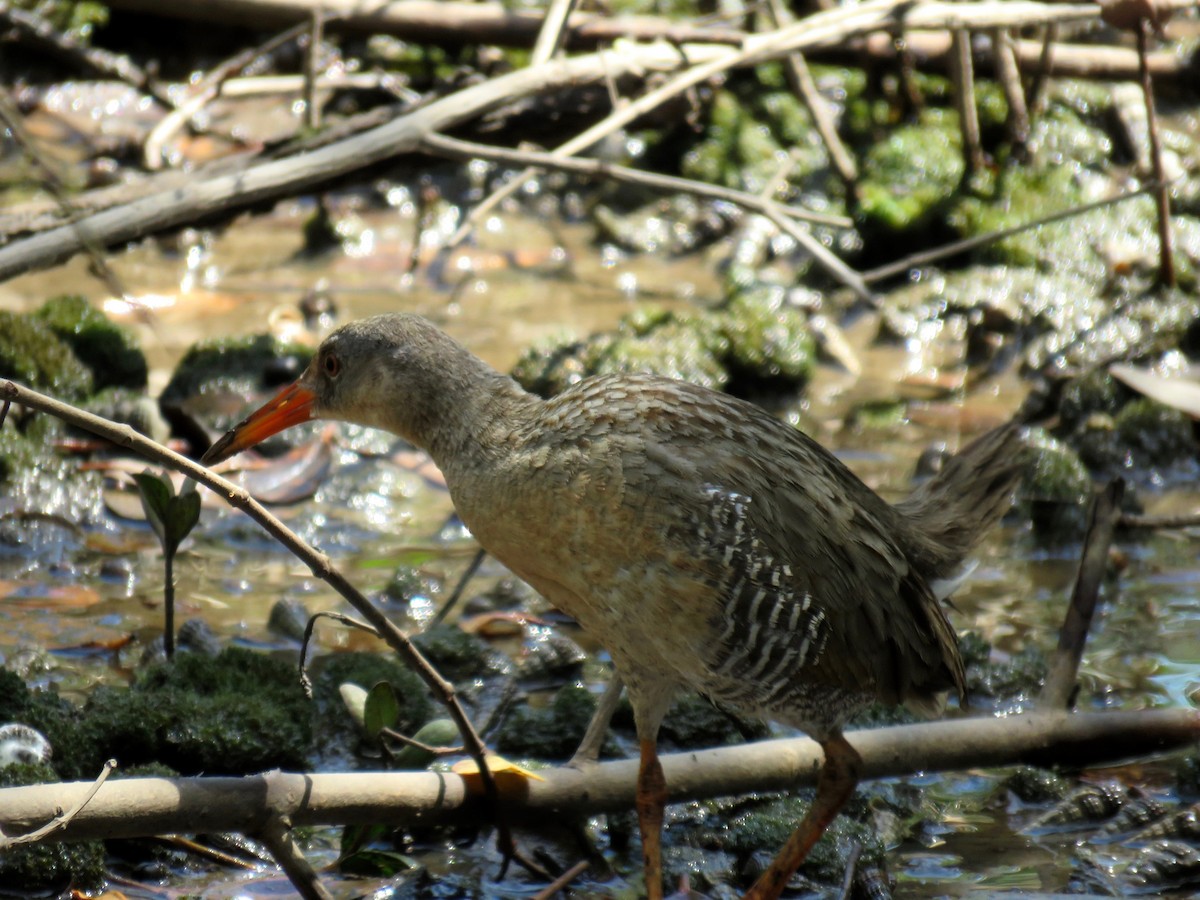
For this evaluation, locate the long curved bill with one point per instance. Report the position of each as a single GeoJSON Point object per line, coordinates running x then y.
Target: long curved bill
{"type": "Point", "coordinates": [291, 406]}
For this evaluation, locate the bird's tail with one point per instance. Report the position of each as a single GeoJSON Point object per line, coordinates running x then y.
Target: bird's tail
{"type": "Point", "coordinates": [952, 511]}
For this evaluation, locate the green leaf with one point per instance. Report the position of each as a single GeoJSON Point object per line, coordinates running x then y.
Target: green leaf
{"type": "Point", "coordinates": [183, 512]}
{"type": "Point", "coordinates": [157, 494]}
{"type": "Point", "coordinates": [382, 709]}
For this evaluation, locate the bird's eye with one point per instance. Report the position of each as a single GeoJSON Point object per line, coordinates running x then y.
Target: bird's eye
{"type": "Point", "coordinates": [332, 366]}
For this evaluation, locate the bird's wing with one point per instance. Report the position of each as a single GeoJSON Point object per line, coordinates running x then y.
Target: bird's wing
{"type": "Point", "coordinates": [811, 586]}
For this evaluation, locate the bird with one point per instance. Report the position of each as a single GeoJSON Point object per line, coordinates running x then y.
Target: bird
{"type": "Point", "coordinates": [706, 543]}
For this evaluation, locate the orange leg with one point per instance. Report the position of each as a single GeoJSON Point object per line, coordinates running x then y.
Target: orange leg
{"type": "Point", "coordinates": [838, 778]}
{"type": "Point", "coordinates": [651, 800]}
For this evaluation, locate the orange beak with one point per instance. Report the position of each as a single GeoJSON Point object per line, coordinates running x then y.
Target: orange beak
{"type": "Point", "coordinates": [291, 406]}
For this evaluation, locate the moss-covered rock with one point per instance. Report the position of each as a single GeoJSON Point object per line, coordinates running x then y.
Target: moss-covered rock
{"type": "Point", "coordinates": [552, 732]}
{"type": "Point", "coordinates": [1144, 439]}
{"type": "Point", "coordinates": [31, 353]}
{"type": "Point", "coordinates": [237, 713]}
{"type": "Point", "coordinates": [910, 179]}
{"type": "Point", "coordinates": [105, 347]}
{"type": "Point", "coordinates": [1056, 487]}
{"type": "Point", "coordinates": [1020, 676]}
{"type": "Point", "coordinates": [48, 865]}
{"type": "Point", "coordinates": [457, 654]}
{"type": "Point", "coordinates": [1020, 195]}
{"type": "Point", "coordinates": [1035, 785]}
{"type": "Point", "coordinates": [1095, 392]}
{"type": "Point", "coordinates": [756, 833]}
{"type": "Point", "coordinates": [751, 342]}
{"type": "Point", "coordinates": [767, 341]}
{"type": "Point", "coordinates": [693, 722]}
{"type": "Point", "coordinates": [237, 367]}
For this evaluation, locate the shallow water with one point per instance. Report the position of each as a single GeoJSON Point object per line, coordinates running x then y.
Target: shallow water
{"type": "Point", "coordinates": [70, 589]}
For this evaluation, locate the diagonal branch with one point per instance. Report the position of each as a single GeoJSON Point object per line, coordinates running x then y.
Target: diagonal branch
{"type": "Point", "coordinates": [318, 562]}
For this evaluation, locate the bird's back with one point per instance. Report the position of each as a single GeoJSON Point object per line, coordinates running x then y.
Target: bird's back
{"type": "Point", "coordinates": [708, 543]}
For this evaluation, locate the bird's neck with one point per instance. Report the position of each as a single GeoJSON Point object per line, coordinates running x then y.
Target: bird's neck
{"type": "Point", "coordinates": [478, 419]}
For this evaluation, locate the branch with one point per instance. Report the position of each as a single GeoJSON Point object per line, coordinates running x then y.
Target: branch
{"type": "Point", "coordinates": [319, 563]}
{"type": "Point", "coordinates": [455, 25]}
{"type": "Point", "coordinates": [196, 198]}
{"type": "Point", "coordinates": [453, 148]}
{"type": "Point", "coordinates": [1064, 667]}
{"type": "Point", "coordinates": [142, 806]}
{"type": "Point", "coordinates": [59, 820]}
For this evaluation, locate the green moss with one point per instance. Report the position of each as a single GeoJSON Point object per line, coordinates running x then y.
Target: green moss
{"type": "Point", "coordinates": [682, 347]}
{"type": "Point", "coordinates": [105, 347]}
{"type": "Point", "coordinates": [1089, 394]}
{"type": "Point", "coordinates": [767, 341]}
{"type": "Point", "coordinates": [1054, 471]}
{"type": "Point", "coordinates": [31, 353]}
{"type": "Point", "coordinates": [453, 652]}
{"type": "Point", "coordinates": [17, 452]}
{"type": "Point", "coordinates": [48, 713]}
{"type": "Point", "coordinates": [767, 827]}
{"type": "Point", "coordinates": [1019, 676]}
{"type": "Point", "coordinates": [1154, 434]}
{"type": "Point", "coordinates": [693, 722]}
{"type": "Point", "coordinates": [236, 713]}
{"type": "Point", "coordinates": [1056, 488]}
{"type": "Point", "coordinates": [548, 733]}
{"type": "Point", "coordinates": [910, 178]}
{"type": "Point", "coordinates": [1034, 785]}
{"type": "Point", "coordinates": [48, 865]}
{"type": "Point", "coordinates": [1023, 194]}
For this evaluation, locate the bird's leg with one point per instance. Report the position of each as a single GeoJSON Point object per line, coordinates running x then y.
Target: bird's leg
{"type": "Point", "coordinates": [651, 801]}
{"type": "Point", "coordinates": [835, 784]}
{"type": "Point", "coordinates": [593, 738]}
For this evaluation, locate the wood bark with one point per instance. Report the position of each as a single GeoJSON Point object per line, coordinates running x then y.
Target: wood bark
{"type": "Point", "coordinates": [145, 806]}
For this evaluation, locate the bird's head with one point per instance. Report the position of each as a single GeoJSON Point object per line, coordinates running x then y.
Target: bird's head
{"type": "Point", "coordinates": [396, 371]}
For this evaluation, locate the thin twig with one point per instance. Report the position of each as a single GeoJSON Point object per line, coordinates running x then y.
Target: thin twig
{"type": "Point", "coordinates": [593, 739]}
{"type": "Point", "coordinates": [63, 819]}
{"type": "Point", "coordinates": [1064, 667]}
{"type": "Point", "coordinates": [550, 36]}
{"type": "Point", "coordinates": [1162, 197]}
{"type": "Point", "coordinates": [277, 837]}
{"type": "Point", "coordinates": [464, 579]}
{"type": "Point", "coordinates": [781, 216]}
{"type": "Point", "coordinates": [306, 640]}
{"type": "Point", "coordinates": [1182, 520]}
{"type": "Point", "coordinates": [206, 89]}
{"type": "Point", "coordinates": [1008, 73]}
{"type": "Point", "coordinates": [110, 65]}
{"type": "Point", "coordinates": [562, 881]}
{"type": "Point", "coordinates": [319, 563]}
{"type": "Point", "coordinates": [851, 868]}
{"type": "Point", "coordinates": [312, 68]}
{"type": "Point", "coordinates": [803, 85]}
{"type": "Point", "coordinates": [953, 249]}
{"type": "Point", "coordinates": [812, 31]}
{"type": "Point", "coordinates": [962, 71]}
{"type": "Point", "coordinates": [441, 145]}
{"type": "Point", "coordinates": [420, 745]}
{"type": "Point", "coordinates": [53, 182]}
{"type": "Point", "coordinates": [1035, 97]}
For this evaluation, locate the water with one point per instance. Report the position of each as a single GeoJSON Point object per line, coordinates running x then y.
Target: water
{"type": "Point", "coordinates": [75, 590]}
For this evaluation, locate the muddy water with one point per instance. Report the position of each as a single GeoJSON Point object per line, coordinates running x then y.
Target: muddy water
{"type": "Point", "coordinates": [94, 588]}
